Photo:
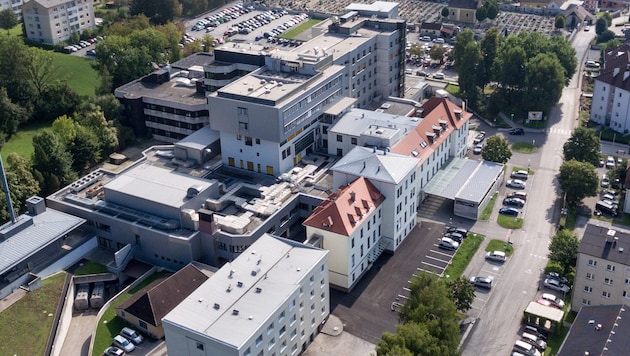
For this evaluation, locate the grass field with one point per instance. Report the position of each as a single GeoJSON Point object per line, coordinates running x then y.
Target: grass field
{"type": "Point", "coordinates": [524, 147]}
{"type": "Point", "coordinates": [90, 268]}
{"type": "Point", "coordinates": [485, 215]}
{"type": "Point", "coordinates": [293, 32]}
{"type": "Point", "coordinates": [463, 256]}
{"type": "Point", "coordinates": [110, 325]}
{"type": "Point", "coordinates": [26, 324]}
{"type": "Point", "coordinates": [22, 142]}
{"type": "Point", "coordinates": [78, 73]}
{"type": "Point", "coordinates": [509, 222]}
{"type": "Point", "coordinates": [500, 245]}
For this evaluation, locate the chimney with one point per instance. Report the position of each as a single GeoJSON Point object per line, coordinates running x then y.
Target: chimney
{"type": "Point", "coordinates": [615, 72]}
{"type": "Point", "coordinates": [353, 196]}
{"type": "Point", "coordinates": [626, 74]}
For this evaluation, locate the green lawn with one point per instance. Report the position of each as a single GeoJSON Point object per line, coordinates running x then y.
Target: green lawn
{"type": "Point", "coordinates": [509, 222]}
{"type": "Point", "coordinates": [524, 147]}
{"type": "Point", "coordinates": [464, 254]}
{"type": "Point", "coordinates": [26, 324]}
{"type": "Point", "coordinates": [77, 72]}
{"type": "Point", "coordinates": [22, 142]}
{"type": "Point", "coordinates": [453, 89]}
{"type": "Point", "coordinates": [531, 171]}
{"type": "Point", "coordinates": [485, 215]}
{"type": "Point", "coordinates": [299, 29]}
{"type": "Point", "coordinates": [110, 325]}
{"type": "Point", "coordinates": [555, 341]}
{"type": "Point", "coordinates": [90, 268]}
{"type": "Point", "coordinates": [500, 245]}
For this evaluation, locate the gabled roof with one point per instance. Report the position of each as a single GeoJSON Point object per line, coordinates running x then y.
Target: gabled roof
{"type": "Point", "coordinates": [343, 212]}
{"type": "Point", "coordinates": [616, 63]}
{"type": "Point", "coordinates": [153, 302]}
{"type": "Point", "coordinates": [579, 12]}
{"type": "Point", "coordinates": [463, 4]}
{"type": "Point", "coordinates": [441, 118]}
{"type": "Point", "coordinates": [598, 330]}
{"type": "Point", "coordinates": [375, 165]}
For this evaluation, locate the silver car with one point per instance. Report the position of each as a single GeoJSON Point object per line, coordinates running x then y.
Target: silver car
{"type": "Point", "coordinates": [515, 183]}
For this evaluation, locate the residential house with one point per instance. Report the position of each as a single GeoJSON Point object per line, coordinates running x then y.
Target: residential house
{"type": "Point", "coordinates": [462, 11]}
{"type": "Point", "coordinates": [578, 16]}
{"type": "Point", "coordinates": [431, 29]}
{"type": "Point", "coordinates": [146, 308]}
{"type": "Point", "coordinates": [53, 21]}
{"type": "Point", "coordinates": [348, 224]}
{"type": "Point", "coordinates": [611, 92]}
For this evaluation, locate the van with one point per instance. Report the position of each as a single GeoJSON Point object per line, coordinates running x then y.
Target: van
{"type": "Point", "coordinates": [525, 348]}
{"type": "Point", "coordinates": [522, 175]}
{"type": "Point", "coordinates": [610, 162]}
{"type": "Point", "coordinates": [535, 341]}
{"type": "Point", "coordinates": [607, 207]}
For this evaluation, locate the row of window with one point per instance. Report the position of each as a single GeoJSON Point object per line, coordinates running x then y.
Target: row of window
{"type": "Point", "coordinates": [609, 267]}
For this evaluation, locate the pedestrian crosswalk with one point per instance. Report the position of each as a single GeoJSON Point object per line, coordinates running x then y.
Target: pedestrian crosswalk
{"type": "Point", "coordinates": [562, 132]}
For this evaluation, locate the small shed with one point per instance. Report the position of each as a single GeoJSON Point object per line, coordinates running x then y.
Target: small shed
{"type": "Point", "coordinates": [542, 316]}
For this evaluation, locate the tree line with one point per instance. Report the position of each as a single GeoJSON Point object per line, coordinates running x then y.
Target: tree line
{"type": "Point", "coordinates": [527, 70]}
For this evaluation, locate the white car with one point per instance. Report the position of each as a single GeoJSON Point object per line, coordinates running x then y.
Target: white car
{"type": "Point", "coordinates": [553, 299]}
{"type": "Point", "coordinates": [438, 75]}
{"type": "Point", "coordinates": [482, 282]}
{"type": "Point", "coordinates": [555, 284]}
{"type": "Point", "coordinates": [123, 343]}
{"type": "Point", "coordinates": [132, 335]}
{"type": "Point", "coordinates": [498, 256]}
{"type": "Point", "coordinates": [478, 148]}
{"type": "Point", "coordinates": [448, 243]}
{"type": "Point", "coordinates": [515, 183]}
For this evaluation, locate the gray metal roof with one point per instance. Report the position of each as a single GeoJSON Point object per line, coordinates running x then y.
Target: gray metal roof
{"type": "Point", "coordinates": [46, 228]}
{"type": "Point", "coordinates": [464, 179]}
{"type": "Point", "coordinates": [356, 121]}
{"type": "Point", "coordinates": [376, 165]}
{"type": "Point", "coordinates": [606, 243]}
{"type": "Point", "coordinates": [199, 139]}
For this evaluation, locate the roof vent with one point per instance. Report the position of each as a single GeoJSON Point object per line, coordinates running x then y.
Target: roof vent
{"type": "Point", "coordinates": [251, 317]}
{"type": "Point", "coordinates": [232, 273]}
{"type": "Point", "coordinates": [234, 311]}
{"type": "Point", "coordinates": [258, 290]}
{"type": "Point", "coordinates": [620, 249]}
{"type": "Point", "coordinates": [229, 288]}
{"type": "Point", "coordinates": [217, 306]}
{"type": "Point", "coordinates": [200, 300]}
{"type": "Point", "coordinates": [255, 271]}
{"type": "Point", "coordinates": [262, 81]}
{"type": "Point", "coordinates": [259, 261]}
{"type": "Point", "coordinates": [598, 327]}
{"type": "Point", "coordinates": [239, 284]}
{"type": "Point", "coordinates": [250, 89]}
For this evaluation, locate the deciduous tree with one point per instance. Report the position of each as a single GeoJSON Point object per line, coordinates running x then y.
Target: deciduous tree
{"type": "Point", "coordinates": [467, 57]}
{"type": "Point", "coordinates": [563, 249]}
{"type": "Point", "coordinates": [496, 149]}
{"type": "Point", "coordinates": [158, 11]}
{"type": "Point", "coordinates": [577, 180]}
{"type": "Point", "coordinates": [583, 146]}
{"type": "Point", "coordinates": [8, 19]}
{"type": "Point", "coordinates": [462, 293]}
{"type": "Point", "coordinates": [52, 163]}
{"type": "Point", "coordinates": [560, 21]}
{"type": "Point", "coordinates": [544, 81]}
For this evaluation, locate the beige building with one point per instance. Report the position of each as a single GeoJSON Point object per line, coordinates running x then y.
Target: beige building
{"type": "Point", "coordinates": [53, 21]}
{"type": "Point", "coordinates": [602, 275]}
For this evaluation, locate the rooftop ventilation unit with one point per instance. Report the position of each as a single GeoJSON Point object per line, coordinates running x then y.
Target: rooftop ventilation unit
{"type": "Point", "coordinates": [239, 284]}
{"type": "Point", "coordinates": [234, 311]}
{"type": "Point", "coordinates": [217, 306]}
{"type": "Point", "coordinates": [258, 290]}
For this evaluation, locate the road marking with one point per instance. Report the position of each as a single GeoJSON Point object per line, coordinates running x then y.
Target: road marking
{"type": "Point", "coordinates": [428, 264]}
{"type": "Point", "coordinates": [489, 272]}
{"type": "Point", "coordinates": [426, 271]}
{"type": "Point", "coordinates": [481, 299]}
{"type": "Point", "coordinates": [437, 259]}
{"type": "Point", "coordinates": [528, 271]}
{"type": "Point", "coordinates": [441, 253]}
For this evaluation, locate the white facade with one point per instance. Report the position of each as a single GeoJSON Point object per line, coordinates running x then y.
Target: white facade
{"type": "Point", "coordinates": [15, 5]}
{"type": "Point", "coordinates": [611, 91]}
{"type": "Point", "coordinates": [268, 301]}
{"type": "Point", "coordinates": [395, 177]}
{"type": "Point", "coordinates": [54, 21]}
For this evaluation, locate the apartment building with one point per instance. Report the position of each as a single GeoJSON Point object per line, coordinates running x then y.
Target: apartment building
{"type": "Point", "coordinates": [611, 91]}
{"type": "Point", "coordinates": [53, 21]}
{"type": "Point", "coordinates": [602, 275]}
{"type": "Point", "coordinates": [271, 300]}
{"type": "Point", "coordinates": [348, 224]}
{"type": "Point", "coordinates": [15, 5]}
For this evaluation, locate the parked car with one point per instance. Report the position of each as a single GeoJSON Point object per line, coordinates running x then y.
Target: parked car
{"type": "Point", "coordinates": [478, 148]}
{"type": "Point", "coordinates": [533, 340]}
{"type": "Point", "coordinates": [459, 230]}
{"type": "Point", "coordinates": [498, 256]}
{"type": "Point", "coordinates": [509, 211]}
{"type": "Point", "coordinates": [422, 73]}
{"type": "Point", "coordinates": [515, 183]}
{"type": "Point", "coordinates": [517, 131]}
{"type": "Point", "coordinates": [482, 282]}
{"type": "Point", "coordinates": [610, 162]}
{"type": "Point", "coordinates": [558, 276]}
{"type": "Point", "coordinates": [520, 174]}
{"type": "Point", "coordinates": [555, 301]}
{"type": "Point", "coordinates": [113, 351]}
{"type": "Point", "coordinates": [514, 202]}
{"type": "Point", "coordinates": [533, 330]}
{"type": "Point", "coordinates": [605, 183]}
{"type": "Point", "coordinates": [448, 244]}
{"type": "Point", "coordinates": [544, 302]}
{"type": "Point", "coordinates": [520, 195]}
{"type": "Point", "coordinates": [438, 75]}
{"type": "Point", "coordinates": [132, 335]}
{"type": "Point", "coordinates": [556, 285]}
{"type": "Point", "coordinates": [455, 236]}
{"type": "Point", "coordinates": [122, 343]}
{"type": "Point", "coordinates": [479, 137]}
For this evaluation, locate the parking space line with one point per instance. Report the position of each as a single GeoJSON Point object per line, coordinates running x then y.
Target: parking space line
{"type": "Point", "coordinates": [490, 272]}
{"type": "Point", "coordinates": [441, 253]}
{"type": "Point", "coordinates": [483, 300]}
{"type": "Point", "coordinates": [427, 271]}
{"type": "Point", "coordinates": [438, 259]}
{"type": "Point", "coordinates": [432, 265]}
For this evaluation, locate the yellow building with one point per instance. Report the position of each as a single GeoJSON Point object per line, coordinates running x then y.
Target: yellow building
{"type": "Point", "coordinates": [462, 10]}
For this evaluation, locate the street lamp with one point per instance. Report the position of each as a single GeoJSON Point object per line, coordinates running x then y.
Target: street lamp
{"type": "Point", "coordinates": [529, 163]}
{"type": "Point", "coordinates": [512, 115]}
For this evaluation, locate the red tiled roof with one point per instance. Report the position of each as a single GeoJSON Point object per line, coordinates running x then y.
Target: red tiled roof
{"type": "Point", "coordinates": [344, 211]}
{"type": "Point", "coordinates": [440, 120]}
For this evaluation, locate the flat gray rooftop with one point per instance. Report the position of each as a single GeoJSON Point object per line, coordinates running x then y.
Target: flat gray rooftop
{"type": "Point", "coordinates": [464, 179]}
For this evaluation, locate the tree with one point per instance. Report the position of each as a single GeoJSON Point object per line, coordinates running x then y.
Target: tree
{"type": "Point", "coordinates": [58, 99]}
{"type": "Point", "coordinates": [544, 82]}
{"type": "Point", "coordinates": [583, 146]}
{"type": "Point", "coordinates": [467, 57]}
{"type": "Point", "coordinates": [411, 339]}
{"type": "Point", "coordinates": [91, 117]}
{"type": "Point", "coordinates": [577, 180]}
{"type": "Point", "coordinates": [430, 304]}
{"type": "Point", "coordinates": [8, 19]}
{"type": "Point", "coordinates": [462, 293]}
{"type": "Point", "coordinates": [608, 17]}
{"type": "Point", "coordinates": [22, 184]}
{"type": "Point", "coordinates": [445, 12]}
{"type": "Point", "coordinates": [437, 52]}
{"type": "Point", "coordinates": [481, 14]}
{"type": "Point", "coordinates": [65, 129]}
{"type": "Point", "coordinates": [562, 49]}
{"type": "Point", "coordinates": [158, 11]}
{"type": "Point", "coordinates": [40, 68]}
{"type": "Point", "coordinates": [619, 172]}
{"type": "Point", "coordinates": [52, 164]}
{"type": "Point", "coordinates": [560, 22]}
{"type": "Point", "coordinates": [563, 249]}
{"type": "Point", "coordinates": [11, 115]}
{"type": "Point", "coordinates": [496, 149]}
{"type": "Point", "coordinates": [492, 9]}
{"type": "Point", "coordinates": [85, 149]}
{"type": "Point", "coordinates": [488, 46]}
{"type": "Point", "coordinates": [600, 26]}
{"type": "Point", "coordinates": [606, 36]}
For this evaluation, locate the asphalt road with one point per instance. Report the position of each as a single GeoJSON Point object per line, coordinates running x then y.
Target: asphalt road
{"type": "Point", "coordinates": [500, 313]}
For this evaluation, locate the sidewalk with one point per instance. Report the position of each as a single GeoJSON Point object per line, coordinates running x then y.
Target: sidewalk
{"type": "Point", "coordinates": [12, 298]}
